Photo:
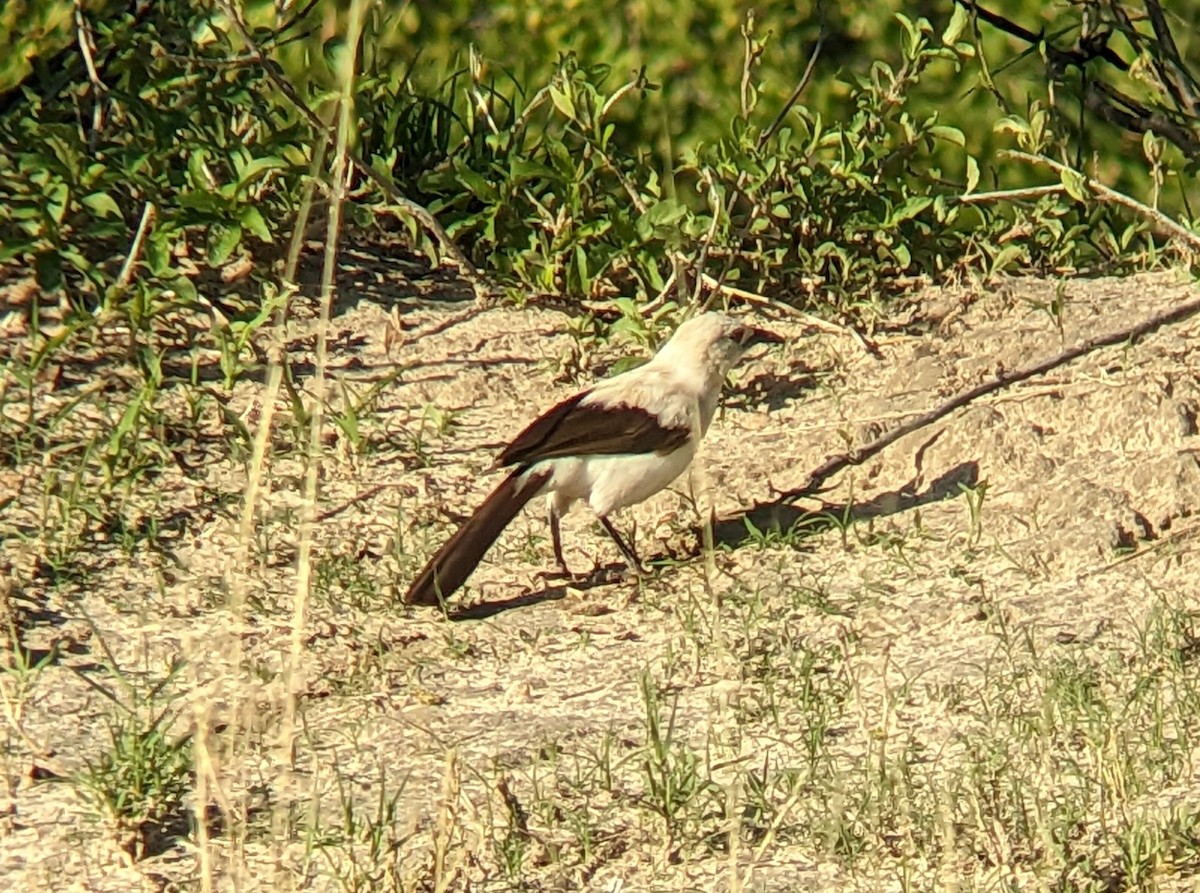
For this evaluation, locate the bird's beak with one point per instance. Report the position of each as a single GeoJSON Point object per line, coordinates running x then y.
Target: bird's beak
{"type": "Point", "coordinates": [749, 336]}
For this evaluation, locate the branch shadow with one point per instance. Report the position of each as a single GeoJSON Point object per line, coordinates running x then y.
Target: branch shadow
{"type": "Point", "coordinates": [783, 518]}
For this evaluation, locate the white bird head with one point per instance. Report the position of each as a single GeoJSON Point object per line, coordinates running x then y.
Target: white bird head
{"type": "Point", "coordinates": [715, 341]}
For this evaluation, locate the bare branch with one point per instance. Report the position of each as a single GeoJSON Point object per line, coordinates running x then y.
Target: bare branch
{"type": "Point", "coordinates": [1155, 217]}
{"type": "Point", "coordinates": [1179, 83]}
{"type": "Point", "coordinates": [834, 464]}
{"type": "Point", "coordinates": [1094, 49]}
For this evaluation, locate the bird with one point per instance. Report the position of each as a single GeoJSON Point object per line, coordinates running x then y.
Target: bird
{"type": "Point", "coordinates": [612, 445]}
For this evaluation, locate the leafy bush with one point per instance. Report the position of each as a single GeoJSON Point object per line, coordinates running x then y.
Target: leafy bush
{"type": "Point", "coordinates": [172, 131]}
{"type": "Point", "coordinates": [836, 211]}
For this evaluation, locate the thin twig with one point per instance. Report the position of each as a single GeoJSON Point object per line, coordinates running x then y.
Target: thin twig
{"type": "Point", "coordinates": [84, 37]}
{"type": "Point", "coordinates": [738, 188]}
{"type": "Point", "coordinates": [837, 463]}
{"type": "Point", "coordinates": [1110, 104]}
{"type": "Point", "coordinates": [768, 839]}
{"type": "Point", "coordinates": [1173, 537]}
{"type": "Point", "coordinates": [706, 244]}
{"type": "Point", "coordinates": [1137, 40]}
{"type": "Point", "coordinates": [1106, 193]}
{"type": "Point", "coordinates": [752, 55]}
{"type": "Point", "coordinates": [135, 250]}
{"type": "Point", "coordinates": [522, 120]}
{"type": "Point", "coordinates": [638, 83]}
{"type": "Point", "coordinates": [1078, 57]}
{"type": "Point", "coordinates": [1010, 195]}
{"type": "Point", "coordinates": [659, 299]}
{"type": "Point", "coordinates": [308, 513]}
{"type": "Point", "coordinates": [766, 303]}
{"type": "Point", "coordinates": [791, 100]}
{"type": "Point", "coordinates": [276, 378]}
{"type": "Point", "coordinates": [1178, 85]}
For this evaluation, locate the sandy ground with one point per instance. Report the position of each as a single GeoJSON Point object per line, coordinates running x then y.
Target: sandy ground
{"type": "Point", "coordinates": [1090, 484]}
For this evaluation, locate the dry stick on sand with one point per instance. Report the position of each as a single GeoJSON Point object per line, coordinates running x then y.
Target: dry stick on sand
{"type": "Point", "coordinates": [834, 464]}
{"type": "Point", "coordinates": [1171, 539]}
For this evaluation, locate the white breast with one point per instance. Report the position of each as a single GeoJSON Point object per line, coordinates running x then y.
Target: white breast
{"type": "Point", "coordinates": [609, 483]}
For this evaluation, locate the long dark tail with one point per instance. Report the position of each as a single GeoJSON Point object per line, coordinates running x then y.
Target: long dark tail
{"type": "Point", "coordinates": [457, 559]}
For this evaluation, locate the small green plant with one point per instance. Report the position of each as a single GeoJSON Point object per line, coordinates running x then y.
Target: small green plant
{"type": "Point", "coordinates": [434, 422]}
{"type": "Point", "coordinates": [138, 784]}
{"type": "Point", "coordinates": [974, 496]}
{"type": "Point", "coordinates": [20, 669]}
{"type": "Point", "coordinates": [774, 534]}
{"type": "Point", "coordinates": [676, 786]}
{"type": "Point", "coordinates": [345, 582]}
{"type": "Point", "coordinates": [363, 850]}
{"type": "Point", "coordinates": [646, 331]}
{"type": "Point", "coordinates": [355, 409]}
{"type": "Point", "coordinates": [1055, 308]}
{"type": "Point", "coordinates": [512, 845]}
{"type": "Point", "coordinates": [236, 337]}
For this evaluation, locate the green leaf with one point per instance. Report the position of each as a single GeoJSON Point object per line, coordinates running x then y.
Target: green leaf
{"type": "Point", "coordinates": [627, 363]}
{"type": "Point", "coordinates": [1075, 183]}
{"type": "Point", "coordinates": [11, 248]}
{"type": "Point", "coordinates": [912, 206]}
{"type": "Point", "coordinates": [972, 175]}
{"type": "Point", "coordinates": [202, 201]}
{"type": "Point", "coordinates": [628, 308]}
{"type": "Point", "coordinates": [949, 134]}
{"type": "Point", "coordinates": [660, 215]}
{"type": "Point", "coordinates": [563, 102]}
{"type": "Point", "coordinates": [253, 220]}
{"type": "Point", "coordinates": [102, 203]}
{"type": "Point", "coordinates": [1011, 124]}
{"type": "Point", "coordinates": [521, 169]}
{"type": "Point", "coordinates": [581, 269]}
{"type": "Point", "coordinates": [257, 167]}
{"type": "Point", "coordinates": [70, 254]}
{"type": "Point", "coordinates": [185, 289]}
{"type": "Point", "coordinates": [158, 252]}
{"type": "Point", "coordinates": [665, 213]}
{"type": "Point", "coordinates": [196, 169]}
{"type": "Point", "coordinates": [475, 182]}
{"type": "Point", "coordinates": [56, 195]}
{"type": "Point", "coordinates": [1006, 256]}
{"type": "Point", "coordinates": [958, 24]}
{"type": "Point", "coordinates": [222, 240]}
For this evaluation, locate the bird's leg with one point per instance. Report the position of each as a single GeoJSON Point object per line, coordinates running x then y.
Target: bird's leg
{"type": "Point", "coordinates": [626, 548]}
{"type": "Point", "coordinates": [556, 539]}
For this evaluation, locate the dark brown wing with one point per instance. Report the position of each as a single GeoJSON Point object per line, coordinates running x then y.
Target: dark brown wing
{"type": "Point", "coordinates": [573, 428]}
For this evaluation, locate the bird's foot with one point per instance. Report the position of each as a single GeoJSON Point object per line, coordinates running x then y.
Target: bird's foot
{"type": "Point", "coordinates": [637, 571]}
{"type": "Point", "coordinates": [619, 573]}
{"type": "Point", "coordinates": [559, 574]}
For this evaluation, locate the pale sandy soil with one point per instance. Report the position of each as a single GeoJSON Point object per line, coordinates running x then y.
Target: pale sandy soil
{"type": "Point", "coordinates": [1086, 527]}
